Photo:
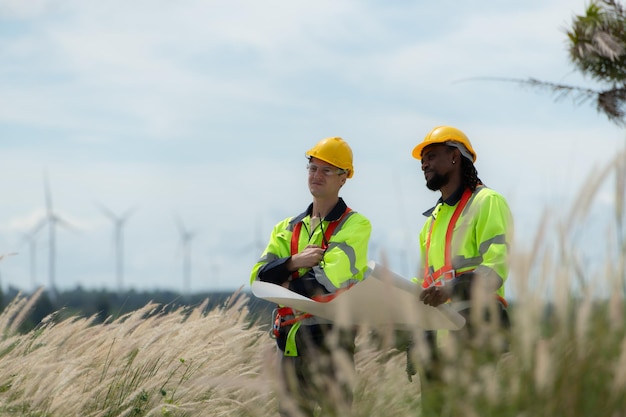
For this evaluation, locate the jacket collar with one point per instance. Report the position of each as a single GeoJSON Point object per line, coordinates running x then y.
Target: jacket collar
{"type": "Point", "coordinates": [334, 214]}
{"type": "Point", "coordinates": [450, 201]}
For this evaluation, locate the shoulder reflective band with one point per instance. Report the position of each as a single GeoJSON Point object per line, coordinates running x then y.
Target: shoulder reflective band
{"type": "Point", "coordinates": [295, 237]}
{"type": "Point", "coordinates": [429, 279]}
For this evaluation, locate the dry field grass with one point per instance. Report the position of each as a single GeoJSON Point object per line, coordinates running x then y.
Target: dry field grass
{"type": "Point", "coordinates": [182, 363]}
{"type": "Point", "coordinates": [571, 362]}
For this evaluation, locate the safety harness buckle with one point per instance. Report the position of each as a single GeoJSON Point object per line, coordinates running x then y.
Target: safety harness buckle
{"type": "Point", "coordinates": [275, 329]}
{"type": "Point", "coordinates": [451, 274]}
{"type": "Point", "coordinates": [280, 318]}
{"type": "Point", "coordinates": [438, 277]}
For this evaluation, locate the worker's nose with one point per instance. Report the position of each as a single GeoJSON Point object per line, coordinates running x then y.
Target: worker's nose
{"type": "Point", "coordinates": [316, 174]}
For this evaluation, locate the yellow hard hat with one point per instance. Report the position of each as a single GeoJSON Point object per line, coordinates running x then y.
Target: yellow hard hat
{"type": "Point", "coordinates": [443, 134]}
{"type": "Point", "coordinates": [335, 151]}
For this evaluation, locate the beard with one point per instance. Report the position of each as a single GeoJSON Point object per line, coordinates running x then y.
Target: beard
{"type": "Point", "coordinates": [437, 181]}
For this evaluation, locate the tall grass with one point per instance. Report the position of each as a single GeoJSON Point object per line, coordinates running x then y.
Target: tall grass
{"type": "Point", "coordinates": [567, 355]}
{"type": "Point", "coordinates": [146, 363]}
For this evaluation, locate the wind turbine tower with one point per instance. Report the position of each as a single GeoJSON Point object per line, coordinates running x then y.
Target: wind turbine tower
{"type": "Point", "coordinates": [186, 236]}
{"type": "Point", "coordinates": [31, 239]}
{"type": "Point", "coordinates": [118, 240]}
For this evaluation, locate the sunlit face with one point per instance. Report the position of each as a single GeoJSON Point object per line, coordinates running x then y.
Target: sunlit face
{"type": "Point", "coordinates": [437, 165]}
{"type": "Point", "coordinates": [325, 180]}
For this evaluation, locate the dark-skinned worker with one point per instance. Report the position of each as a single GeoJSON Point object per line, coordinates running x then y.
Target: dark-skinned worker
{"type": "Point", "coordinates": [317, 253]}
{"type": "Point", "coordinates": [464, 247]}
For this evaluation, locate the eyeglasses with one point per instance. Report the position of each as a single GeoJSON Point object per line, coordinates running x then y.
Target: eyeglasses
{"type": "Point", "coordinates": [326, 171]}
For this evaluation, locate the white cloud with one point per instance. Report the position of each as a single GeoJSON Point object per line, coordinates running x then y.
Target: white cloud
{"type": "Point", "coordinates": [205, 109]}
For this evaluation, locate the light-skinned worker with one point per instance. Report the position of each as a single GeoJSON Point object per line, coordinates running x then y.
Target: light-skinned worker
{"type": "Point", "coordinates": [316, 253]}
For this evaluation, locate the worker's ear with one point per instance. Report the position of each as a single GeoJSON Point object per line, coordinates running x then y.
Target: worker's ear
{"type": "Point", "coordinates": [456, 156]}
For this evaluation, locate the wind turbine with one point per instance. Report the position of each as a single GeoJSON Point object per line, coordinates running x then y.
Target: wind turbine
{"type": "Point", "coordinates": [118, 240]}
{"type": "Point", "coordinates": [53, 220]}
{"type": "Point", "coordinates": [186, 236]}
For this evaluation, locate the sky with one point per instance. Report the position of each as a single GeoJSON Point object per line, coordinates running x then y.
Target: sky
{"type": "Point", "coordinates": [200, 113]}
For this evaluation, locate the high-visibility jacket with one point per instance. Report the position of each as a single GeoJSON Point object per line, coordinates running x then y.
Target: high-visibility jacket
{"type": "Point", "coordinates": [344, 262]}
{"type": "Point", "coordinates": [479, 240]}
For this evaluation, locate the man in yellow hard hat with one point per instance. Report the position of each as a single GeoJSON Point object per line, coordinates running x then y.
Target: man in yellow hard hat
{"type": "Point", "coordinates": [464, 243]}
{"type": "Point", "coordinates": [316, 253]}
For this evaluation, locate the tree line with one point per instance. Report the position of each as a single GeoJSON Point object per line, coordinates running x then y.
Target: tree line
{"type": "Point", "coordinates": [103, 305]}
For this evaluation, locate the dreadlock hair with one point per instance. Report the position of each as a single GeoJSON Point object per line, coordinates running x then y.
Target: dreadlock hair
{"type": "Point", "coordinates": [469, 175]}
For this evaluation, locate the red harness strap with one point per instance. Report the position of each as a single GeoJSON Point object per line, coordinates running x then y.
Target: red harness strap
{"type": "Point", "coordinates": [295, 236]}
{"type": "Point", "coordinates": [446, 270]}
{"type": "Point", "coordinates": [429, 279]}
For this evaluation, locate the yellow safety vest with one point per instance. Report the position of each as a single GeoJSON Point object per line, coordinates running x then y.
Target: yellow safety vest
{"type": "Point", "coordinates": [344, 262]}
{"type": "Point", "coordinates": [471, 235]}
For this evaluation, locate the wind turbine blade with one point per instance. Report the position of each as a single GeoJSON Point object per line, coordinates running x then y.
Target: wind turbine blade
{"type": "Point", "coordinates": [128, 212]}
{"type": "Point", "coordinates": [65, 224]}
{"type": "Point", "coordinates": [6, 255]}
{"type": "Point", "coordinates": [106, 212]}
{"type": "Point", "coordinates": [181, 233]}
{"type": "Point", "coordinates": [48, 194]}
{"type": "Point", "coordinates": [185, 234]}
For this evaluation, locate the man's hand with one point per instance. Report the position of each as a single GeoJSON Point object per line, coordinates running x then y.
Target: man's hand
{"type": "Point", "coordinates": [435, 296]}
{"type": "Point", "coordinates": [308, 258]}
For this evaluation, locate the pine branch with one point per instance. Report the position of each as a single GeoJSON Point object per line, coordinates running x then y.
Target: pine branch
{"type": "Point", "coordinates": [611, 102]}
